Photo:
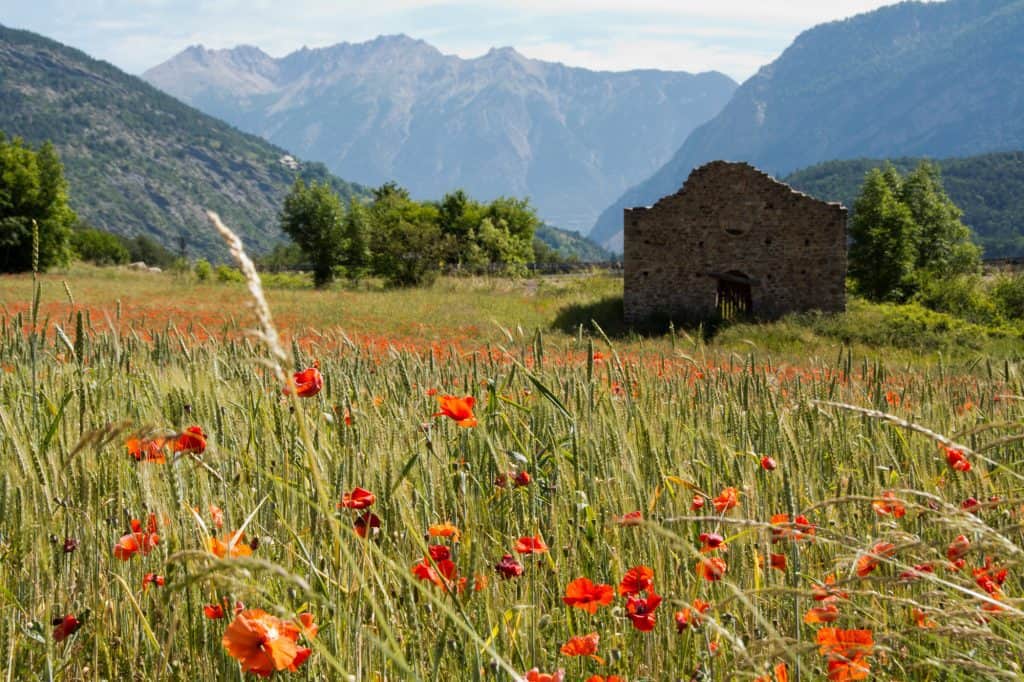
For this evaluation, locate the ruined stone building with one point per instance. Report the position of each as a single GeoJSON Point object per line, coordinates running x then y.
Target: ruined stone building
{"type": "Point", "coordinates": [734, 241]}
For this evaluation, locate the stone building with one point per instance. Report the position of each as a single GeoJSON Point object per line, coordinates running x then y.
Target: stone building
{"type": "Point", "coordinates": [734, 241]}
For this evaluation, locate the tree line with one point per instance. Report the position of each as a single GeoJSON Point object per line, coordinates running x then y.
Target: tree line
{"type": "Point", "coordinates": [404, 241]}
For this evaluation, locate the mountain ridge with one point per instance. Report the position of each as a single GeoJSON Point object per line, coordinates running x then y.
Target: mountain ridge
{"type": "Point", "coordinates": [137, 161]}
{"type": "Point", "coordinates": [932, 79]}
{"type": "Point", "coordinates": [397, 108]}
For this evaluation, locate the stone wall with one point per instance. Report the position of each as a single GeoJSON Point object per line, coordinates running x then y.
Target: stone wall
{"type": "Point", "coordinates": [732, 219]}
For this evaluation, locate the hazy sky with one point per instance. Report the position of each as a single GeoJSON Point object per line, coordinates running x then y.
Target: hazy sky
{"type": "Point", "coordinates": [732, 36]}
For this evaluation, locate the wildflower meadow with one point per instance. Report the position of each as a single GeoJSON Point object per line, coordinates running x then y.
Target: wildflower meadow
{"type": "Point", "coordinates": [183, 500]}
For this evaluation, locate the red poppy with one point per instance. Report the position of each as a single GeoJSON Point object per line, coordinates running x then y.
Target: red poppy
{"type": "Point", "coordinates": [711, 542]}
{"type": "Point", "coordinates": [922, 620]}
{"type": "Point", "coordinates": [696, 503]}
{"type": "Point", "coordinates": [460, 410]}
{"type": "Point", "coordinates": [845, 652]}
{"type": "Point", "coordinates": [637, 579]}
{"type": "Point", "coordinates": [971, 505]}
{"type": "Point", "coordinates": [528, 545]}
{"type": "Point", "coordinates": [989, 578]}
{"type": "Point", "coordinates": [777, 561]}
{"type": "Point", "coordinates": [445, 530]}
{"type": "Point", "coordinates": [443, 576]}
{"type": "Point", "coordinates": [359, 498]}
{"type": "Point", "coordinates": [147, 450]}
{"type": "Point", "coordinates": [522, 479]}
{"type": "Point", "coordinates": [65, 627]}
{"type": "Point", "coordinates": [768, 463]}
{"type": "Point", "coordinates": [264, 644]}
{"type": "Point", "coordinates": [232, 546]}
{"type": "Point", "coordinates": [610, 678]}
{"type": "Point", "coordinates": [888, 505]}
{"type": "Point", "coordinates": [439, 552]}
{"type": "Point", "coordinates": [869, 562]}
{"type": "Point", "coordinates": [781, 671]}
{"type": "Point", "coordinates": [826, 613]}
{"type": "Point", "coordinates": [798, 530]}
{"type": "Point", "coordinates": [582, 645]}
{"type": "Point", "coordinates": [641, 611]}
{"type": "Point", "coordinates": [191, 440]}
{"type": "Point", "coordinates": [366, 523]}
{"type": "Point", "coordinates": [916, 572]}
{"type": "Point", "coordinates": [633, 518]}
{"type": "Point", "coordinates": [691, 616]}
{"type": "Point", "coordinates": [213, 611]}
{"type": "Point", "coordinates": [712, 568]}
{"type": "Point", "coordinates": [958, 548]}
{"type": "Point", "coordinates": [152, 579]}
{"type": "Point", "coordinates": [137, 541]}
{"type": "Point", "coordinates": [535, 675]}
{"type": "Point", "coordinates": [827, 592]}
{"type": "Point", "coordinates": [728, 499]}
{"type": "Point", "coordinates": [508, 567]}
{"type": "Point", "coordinates": [306, 383]}
{"type": "Point", "coordinates": [957, 460]}
{"type": "Point", "coordinates": [584, 594]}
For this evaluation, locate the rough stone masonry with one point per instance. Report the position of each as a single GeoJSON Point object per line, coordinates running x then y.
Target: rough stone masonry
{"type": "Point", "coordinates": [734, 240]}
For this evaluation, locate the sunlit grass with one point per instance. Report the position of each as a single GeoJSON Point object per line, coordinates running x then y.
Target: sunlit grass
{"type": "Point", "coordinates": [646, 426]}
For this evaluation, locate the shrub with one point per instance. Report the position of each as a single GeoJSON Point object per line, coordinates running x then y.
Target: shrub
{"type": "Point", "coordinates": [226, 273]}
{"type": "Point", "coordinates": [98, 247]}
{"type": "Point", "coordinates": [203, 270]}
{"type": "Point", "coordinates": [1007, 291]}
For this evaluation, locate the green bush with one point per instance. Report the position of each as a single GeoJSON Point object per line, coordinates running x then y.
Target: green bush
{"type": "Point", "coordinates": [965, 297]}
{"type": "Point", "coordinates": [98, 247]}
{"type": "Point", "coordinates": [203, 270]}
{"type": "Point", "coordinates": [1007, 292]}
{"type": "Point", "coordinates": [226, 273]}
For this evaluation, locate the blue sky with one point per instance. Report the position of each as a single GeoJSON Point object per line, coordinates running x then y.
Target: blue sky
{"type": "Point", "coordinates": [732, 36]}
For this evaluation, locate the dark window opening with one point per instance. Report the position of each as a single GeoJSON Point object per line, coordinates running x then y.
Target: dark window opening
{"type": "Point", "coordinates": [734, 298]}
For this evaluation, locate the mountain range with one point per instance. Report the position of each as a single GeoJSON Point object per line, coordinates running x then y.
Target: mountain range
{"type": "Point", "coordinates": [139, 162]}
{"type": "Point", "coordinates": [937, 79]}
{"type": "Point", "coordinates": [397, 109]}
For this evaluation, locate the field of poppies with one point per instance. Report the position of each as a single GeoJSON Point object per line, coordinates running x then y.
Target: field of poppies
{"type": "Point", "coordinates": [481, 497]}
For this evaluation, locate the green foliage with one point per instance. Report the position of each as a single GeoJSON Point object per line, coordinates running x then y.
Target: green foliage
{"type": "Point", "coordinates": [99, 247]}
{"type": "Point", "coordinates": [33, 191]}
{"type": "Point", "coordinates": [356, 251]}
{"type": "Point", "coordinates": [1007, 291]}
{"type": "Point", "coordinates": [883, 236]}
{"type": "Point", "coordinates": [203, 270]}
{"type": "Point", "coordinates": [406, 242]}
{"type": "Point", "coordinates": [283, 257]}
{"type": "Point", "coordinates": [989, 188]}
{"type": "Point", "coordinates": [906, 233]}
{"type": "Point", "coordinates": [228, 274]}
{"type": "Point", "coordinates": [553, 245]}
{"type": "Point", "coordinates": [963, 296]}
{"type": "Point", "coordinates": [145, 249]}
{"type": "Point", "coordinates": [313, 216]}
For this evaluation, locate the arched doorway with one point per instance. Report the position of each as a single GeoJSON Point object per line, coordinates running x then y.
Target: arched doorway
{"type": "Point", "coordinates": [734, 298]}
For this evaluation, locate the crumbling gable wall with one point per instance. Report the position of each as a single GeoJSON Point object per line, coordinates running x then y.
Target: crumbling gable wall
{"type": "Point", "coordinates": [730, 224]}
